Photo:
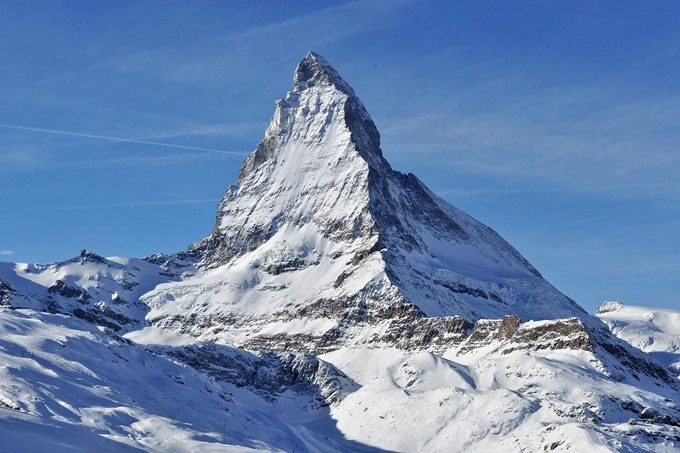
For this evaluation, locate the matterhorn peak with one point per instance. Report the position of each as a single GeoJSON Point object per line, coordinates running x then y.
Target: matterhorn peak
{"type": "Point", "coordinates": [317, 194]}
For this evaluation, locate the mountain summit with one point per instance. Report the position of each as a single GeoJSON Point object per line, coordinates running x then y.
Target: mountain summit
{"type": "Point", "coordinates": [320, 228]}
{"type": "Point", "coordinates": [315, 70]}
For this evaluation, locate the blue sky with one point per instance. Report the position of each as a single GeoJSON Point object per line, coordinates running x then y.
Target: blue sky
{"type": "Point", "coordinates": [556, 123]}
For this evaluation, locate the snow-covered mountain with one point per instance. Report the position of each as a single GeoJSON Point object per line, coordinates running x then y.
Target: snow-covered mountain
{"type": "Point", "coordinates": [653, 330]}
{"type": "Point", "coordinates": [102, 290]}
{"type": "Point", "coordinates": [322, 243]}
{"type": "Point", "coordinates": [337, 305]}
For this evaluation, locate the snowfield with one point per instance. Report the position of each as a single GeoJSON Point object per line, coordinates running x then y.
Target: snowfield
{"type": "Point", "coordinates": [337, 305]}
{"type": "Point", "coordinates": [653, 330]}
{"type": "Point", "coordinates": [66, 385]}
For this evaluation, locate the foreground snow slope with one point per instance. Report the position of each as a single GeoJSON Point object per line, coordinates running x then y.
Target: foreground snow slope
{"type": "Point", "coordinates": [653, 330]}
{"type": "Point", "coordinates": [67, 385]}
{"type": "Point", "coordinates": [338, 305]}
{"type": "Point", "coordinates": [545, 400]}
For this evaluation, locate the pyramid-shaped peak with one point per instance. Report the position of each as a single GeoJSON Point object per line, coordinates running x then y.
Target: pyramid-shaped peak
{"type": "Point", "coordinates": [314, 70]}
{"type": "Point", "coordinates": [317, 194]}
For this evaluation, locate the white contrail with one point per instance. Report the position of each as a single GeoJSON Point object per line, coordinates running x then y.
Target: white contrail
{"type": "Point", "coordinates": [117, 139]}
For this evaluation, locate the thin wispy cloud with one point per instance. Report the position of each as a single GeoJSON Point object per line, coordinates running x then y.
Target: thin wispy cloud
{"type": "Point", "coordinates": [347, 19]}
{"type": "Point", "coordinates": [233, 129]}
{"type": "Point", "coordinates": [133, 204]}
{"type": "Point", "coordinates": [6, 252]}
{"type": "Point", "coordinates": [145, 161]}
{"type": "Point", "coordinates": [34, 160]}
{"type": "Point", "coordinates": [588, 137]}
{"type": "Point", "coordinates": [19, 157]}
{"type": "Point", "coordinates": [477, 192]}
{"type": "Point", "coordinates": [621, 258]}
{"type": "Point", "coordinates": [237, 56]}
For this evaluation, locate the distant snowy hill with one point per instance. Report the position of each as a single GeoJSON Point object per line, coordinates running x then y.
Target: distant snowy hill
{"type": "Point", "coordinates": [337, 305]}
{"type": "Point", "coordinates": [653, 330]}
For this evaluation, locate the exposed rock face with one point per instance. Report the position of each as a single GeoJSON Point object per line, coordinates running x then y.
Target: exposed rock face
{"type": "Point", "coordinates": [5, 294]}
{"type": "Point", "coordinates": [62, 289]}
{"type": "Point", "coordinates": [268, 374]}
{"type": "Point", "coordinates": [511, 335]}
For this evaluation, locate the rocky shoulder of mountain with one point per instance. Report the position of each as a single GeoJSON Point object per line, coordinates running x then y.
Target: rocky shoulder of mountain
{"type": "Point", "coordinates": [267, 374]}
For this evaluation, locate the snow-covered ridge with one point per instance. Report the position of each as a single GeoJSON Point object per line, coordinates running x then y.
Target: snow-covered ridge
{"type": "Point", "coordinates": [653, 330]}
{"type": "Point", "coordinates": [105, 291]}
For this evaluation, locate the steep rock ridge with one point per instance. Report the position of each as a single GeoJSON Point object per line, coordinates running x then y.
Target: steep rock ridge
{"type": "Point", "coordinates": [616, 358]}
{"type": "Point", "coordinates": [510, 334]}
{"type": "Point", "coordinates": [322, 243]}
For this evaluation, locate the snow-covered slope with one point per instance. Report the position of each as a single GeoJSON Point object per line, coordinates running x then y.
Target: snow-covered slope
{"type": "Point", "coordinates": [338, 305]}
{"type": "Point", "coordinates": [653, 330]}
{"type": "Point", "coordinates": [66, 385]}
{"type": "Point", "coordinates": [488, 400]}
